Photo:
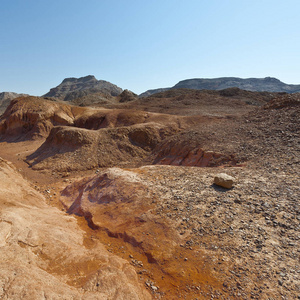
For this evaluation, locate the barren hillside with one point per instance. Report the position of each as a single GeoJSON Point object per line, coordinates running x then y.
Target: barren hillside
{"type": "Point", "coordinates": [117, 201]}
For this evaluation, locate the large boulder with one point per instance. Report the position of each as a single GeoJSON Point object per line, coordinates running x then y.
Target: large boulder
{"type": "Point", "coordinates": [224, 180]}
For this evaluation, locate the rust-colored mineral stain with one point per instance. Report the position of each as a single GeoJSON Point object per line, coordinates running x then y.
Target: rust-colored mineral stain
{"type": "Point", "coordinates": [181, 272]}
{"type": "Point", "coordinates": [185, 270]}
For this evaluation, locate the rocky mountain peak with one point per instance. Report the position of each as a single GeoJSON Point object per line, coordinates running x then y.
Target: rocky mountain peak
{"type": "Point", "coordinates": [79, 80]}
{"type": "Point", "coordinates": [72, 88]}
{"type": "Point", "coordinates": [272, 79]}
{"type": "Point", "coordinates": [127, 95]}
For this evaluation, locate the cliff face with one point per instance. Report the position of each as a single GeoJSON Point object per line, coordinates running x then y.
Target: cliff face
{"type": "Point", "coordinates": [267, 84]}
{"type": "Point", "coordinates": [72, 88]}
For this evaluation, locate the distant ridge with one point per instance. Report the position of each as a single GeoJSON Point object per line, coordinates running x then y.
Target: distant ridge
{"type": "Point", "coordinates": [6, 97]}
{"type": "Point", "coordinates": [72, 88]}
{"type": "Point", "coordinates": [267, 84]}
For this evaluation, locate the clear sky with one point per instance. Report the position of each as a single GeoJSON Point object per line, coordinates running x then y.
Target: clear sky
{"type": "Point", "coordinates": [146, 44]}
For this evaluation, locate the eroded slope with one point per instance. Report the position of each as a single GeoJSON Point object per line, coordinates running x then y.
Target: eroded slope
{"type": "Point", "coordinates": [43, 252]}
{"type": "Point", "coordinates": [80, 138]}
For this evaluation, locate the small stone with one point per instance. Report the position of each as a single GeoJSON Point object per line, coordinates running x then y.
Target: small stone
{"type": "Point", "coordinates": [154, 288]}
{"type": "Point", "coordinates": [224, 180]}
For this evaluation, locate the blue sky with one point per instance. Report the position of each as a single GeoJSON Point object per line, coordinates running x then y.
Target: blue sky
{"type": "Point", "coordinates": [142, 45]}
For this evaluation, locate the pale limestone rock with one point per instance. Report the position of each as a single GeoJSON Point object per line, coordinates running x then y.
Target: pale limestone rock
{"type": "Point", "coordinates": [224, 180]}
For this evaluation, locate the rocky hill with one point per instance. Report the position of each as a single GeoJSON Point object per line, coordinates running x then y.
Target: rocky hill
{"type": "Point", "coordinates": [73, 88]}
{"type": "Point", "coordinates": [5, 98]}
{"type": "Point", "coordinates": [267, 84]}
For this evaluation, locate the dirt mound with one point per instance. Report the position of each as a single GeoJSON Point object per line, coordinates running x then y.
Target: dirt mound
{"type": "Point", "coordinates": [291, 100]}
{"type": "Point", "coordinates": [69, 148]}
{"type": "Point", "coordinates": [5, 99]}
{"type": "Point", "coordinates": [80, 138]}
{"type": "Point", "coordinates": [33, 117]}
{"type": "Point", "coordinates": [104, 141]}
{"type": "Point", "coordinates": [43, 252]}
{"type": "Point", "coordinates": [127, 96]}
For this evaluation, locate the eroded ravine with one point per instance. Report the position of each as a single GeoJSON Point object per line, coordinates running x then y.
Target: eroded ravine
{"type": "Point", "coordinates": [42, 251]}
{"type": "Point", "coordinates": [164, 268]}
